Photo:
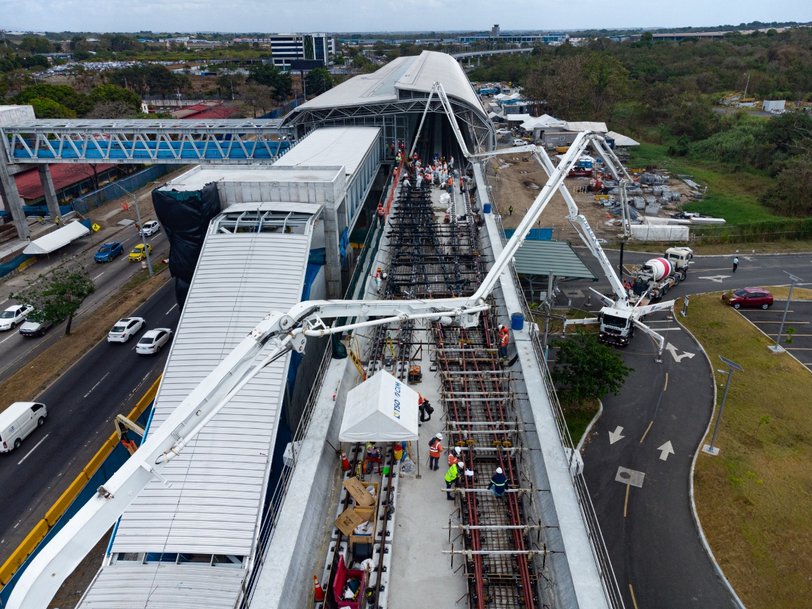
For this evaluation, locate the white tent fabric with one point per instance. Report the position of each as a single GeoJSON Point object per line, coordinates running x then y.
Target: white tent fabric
{"type": "Point", "coordinates": [586, 126]}
{"type": "Point", "coordinates": [513, 118]}
{"type": "Point", "coordinates": [542, 122]}
{"type": "Point", "coordinates": [58, 238]}
{"type": "Point", "coordinates": [381, 409]}
{"type": "Point", "coordinates": [622, 140]}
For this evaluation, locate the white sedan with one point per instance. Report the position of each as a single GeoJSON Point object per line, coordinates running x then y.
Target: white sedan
{"type": "Point", "coordinates": [125, 329]}
{"type": "Point", "coordinates": [14, 315]}
{"type": "Point", "coordinates": [150, 228]}
{"type": "Point", "coordinates": [153, 340]}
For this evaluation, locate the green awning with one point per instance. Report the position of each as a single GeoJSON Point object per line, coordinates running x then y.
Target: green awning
{"type": "Point", "coordinates": [550, 257]}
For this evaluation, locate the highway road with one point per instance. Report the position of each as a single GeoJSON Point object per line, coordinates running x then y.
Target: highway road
{"type": "Point", "coordinates": [82, 404]}
{"type": "Point", "coordinates": [16, 349]}
{"type": "Point", "coordinates": [639, 454]}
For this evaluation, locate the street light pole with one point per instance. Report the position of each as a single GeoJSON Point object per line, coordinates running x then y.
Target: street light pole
{"type": "Point", "coordinates": [140, 226]}
{"type": "Point", "coordinates": [777, 348]}
{"type": "Point", "coordinates": [731, 366]}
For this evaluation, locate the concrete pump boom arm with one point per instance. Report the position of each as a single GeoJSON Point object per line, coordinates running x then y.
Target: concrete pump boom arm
{"type": "Point", "coordinates": [272, 338]}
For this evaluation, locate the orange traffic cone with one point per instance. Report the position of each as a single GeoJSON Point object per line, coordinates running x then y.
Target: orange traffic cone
{"type": "Point", "coordinates": [318, 591]}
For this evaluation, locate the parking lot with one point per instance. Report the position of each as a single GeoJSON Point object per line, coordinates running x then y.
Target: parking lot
{"type": "Point", "coordinates": [797, 334]}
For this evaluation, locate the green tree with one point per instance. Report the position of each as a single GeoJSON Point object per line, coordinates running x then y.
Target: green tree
{"type": "Point", "coordinates": [47, 108]}
{"type": "Point", "coordinates": [36, 44]}
{"type": "Point", "coordinates": [585, 369]}
{"type": "Point", "coordinates": [269, 76]}
{"type": "Point", "coordinates": [789, 196]}
{"type": "Point", "coordinates": [57, 296]}
{"type": "Point", "coordinates": [67, 96]}
{"type": "Point", "coordinates": [107, 94]}
{"type": "Point", "coordinates": [318, 81]}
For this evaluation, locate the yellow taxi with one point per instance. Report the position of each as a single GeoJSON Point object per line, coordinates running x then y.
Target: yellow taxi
{"type": "Point", "coordinates": [138, 253]}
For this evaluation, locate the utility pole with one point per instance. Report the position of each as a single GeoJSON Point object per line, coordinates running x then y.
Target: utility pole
{"type": "Point", "coordinates": [711, 449]}
{"type": "Point", "coordinates": [140, 226]}
{"type": "Point", "coordinates": [777, 348]}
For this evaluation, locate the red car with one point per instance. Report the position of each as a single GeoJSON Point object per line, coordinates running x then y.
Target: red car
{"type": "Point", "coordinates": [752, 298]}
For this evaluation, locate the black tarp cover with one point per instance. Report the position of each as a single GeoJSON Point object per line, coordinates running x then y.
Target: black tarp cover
{"type": "Point", "coordinates": [185, 217]}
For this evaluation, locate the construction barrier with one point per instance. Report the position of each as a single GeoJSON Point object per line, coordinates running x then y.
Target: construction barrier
{"type": "Point", "coordinates": [31, 543]}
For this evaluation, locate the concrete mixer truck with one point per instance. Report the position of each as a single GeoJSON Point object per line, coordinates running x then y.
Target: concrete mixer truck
{"type": "Point", "coordinates": [651, 281]}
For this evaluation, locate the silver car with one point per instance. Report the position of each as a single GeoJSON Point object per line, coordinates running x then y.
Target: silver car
{"type": "Point", "coordinates": [150, 228]}
{"type": "Point", "coordinates": [153, 341]}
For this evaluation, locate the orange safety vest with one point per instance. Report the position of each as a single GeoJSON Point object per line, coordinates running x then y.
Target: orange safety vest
{"type": "Point", "coordinates": [436, 449]}
{"type": "Point", "coordinates": [504, 339]}
{"type": "Point", "coordinates": [452, 458]}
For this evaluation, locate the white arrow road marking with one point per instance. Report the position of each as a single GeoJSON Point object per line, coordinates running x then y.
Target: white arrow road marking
{"type": "Point", "coordinates": [715, 278]}
{"type": "Point", "coordinates": [665, 450]}
{"type": "Point", "coordinates": [674, 353]}
{"type": "Point", "coordinates": [36, 446]}
{"type": "Point", "coordinates": [616, 435]}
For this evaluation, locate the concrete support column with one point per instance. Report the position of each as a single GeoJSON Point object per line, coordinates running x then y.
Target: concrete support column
{"type": "Point", "coordinates": [332, 270]}
{"type": "Point", "coordinates": [49, 190]}
{"type": "Point", "coordinates": [11, 198]}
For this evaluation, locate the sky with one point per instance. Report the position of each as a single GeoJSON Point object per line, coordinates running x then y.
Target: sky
{"type": "Point", "coordinates": [283, 16]}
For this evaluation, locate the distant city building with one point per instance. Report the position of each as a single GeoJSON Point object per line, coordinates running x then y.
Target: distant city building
{"type": "Point", "coordinates": [499, 38]}
{"type": "Point", "coordinates": [495, 30]}
{"type": "Point", "coordinates": [288, 47]}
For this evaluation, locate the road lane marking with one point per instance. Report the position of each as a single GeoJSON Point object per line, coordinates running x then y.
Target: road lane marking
{"type": "Point", "coordinates": [665, 387]}
{"type": "Point", "coordinates": [678, 357]}
{"type": "Point", "coordinates": [626, 501]}
{"type": "Point", "coordinates": [36, 446]}
{"type": "Point", "coordinates": [634, 598]}
{"type": "Point", "coordinates": [665, 450]}
{"type": "Point", "coordinates": [174, 306]}
{"type": "Point", "coordinates": [96, 385]}
{"type": "Point", "coordinates": [616, 435]}
{"type": "Point", "coordinates": [97, 276]}
{"type": "Point", "coordinates": [645, 433]}
{"type": "Point", "coordinates": [7, 338]}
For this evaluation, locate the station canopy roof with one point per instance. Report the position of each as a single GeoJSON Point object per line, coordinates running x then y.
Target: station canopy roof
{"type": "Point", "coordinates": [381, 409]}
{"type": "Point", "coordinates": [56, 239]}
{"type": "Point", "coordinates": [550, 258]}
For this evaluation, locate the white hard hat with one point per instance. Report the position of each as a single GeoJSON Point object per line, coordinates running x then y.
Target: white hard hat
{"type": "Point", "coordinates": [439, 436]}
{"type": "Point", "coordinates": [498, 470]}
{"type": "Point", "coordinates": [460, 464]}
{"type": "Point", "coordinates": [457, 450]}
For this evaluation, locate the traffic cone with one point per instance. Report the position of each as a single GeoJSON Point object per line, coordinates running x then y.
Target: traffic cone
{"type": "Point", "coordinates": [345, 463]}
{"type": "Point", "coordinates": [318, 591]}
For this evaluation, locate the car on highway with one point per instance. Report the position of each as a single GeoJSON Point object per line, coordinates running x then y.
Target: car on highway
{"type": "Point", "coordinates": [750, 298]}
{"type": "Point", "coordinates": [150, 228]}
{"type": "Point", "coordinates": [124, 329]}
{"type": "Point", "coordinates": [153, 341]}
{"type": "Point", "coordinates": [18, 421]}
{"type": "Point", "coordinates": [519, 142]}
{"type": "Point", "coordinates": [35, 328]}
{"type": "Point", "coordinates": [109, 251]}
{"type": "Point", "coordinates": [139, 253]}
{"type": "Point", "coordinates": [14, 315]}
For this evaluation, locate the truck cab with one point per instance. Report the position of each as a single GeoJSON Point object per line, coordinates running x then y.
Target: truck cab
{"type": "Point", "coordinates": [680, 258]}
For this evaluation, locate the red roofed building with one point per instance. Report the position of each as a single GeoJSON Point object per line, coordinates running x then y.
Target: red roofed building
{"type": "Point", "coordinates": [70, 180]}
{"type": "Point", "coordinates": [205, 110]}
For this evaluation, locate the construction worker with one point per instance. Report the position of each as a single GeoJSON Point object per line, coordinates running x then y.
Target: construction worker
{"type": "Point", "coordinates": [504, 339]}
{"type": "Point", "coordinates": [454, 455]}
{"type": "Point", "coordinates": [498, 483]}
{"type": "Point", "coordinates": [735, 263]}
{"type": "Point", "coordinates": [451, 477]}
{"type": "Point", "coordinates": [435, 450]}
{"type": "Point", "coordinates": [425, 408]}
{"type": "Point", "coordinates": [381, 214]}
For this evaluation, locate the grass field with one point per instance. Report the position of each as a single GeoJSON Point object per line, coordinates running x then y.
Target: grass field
{"type": "Point", "coordinates": [733, 195]}
{"type": "Point", "coordinates": [754, 499]}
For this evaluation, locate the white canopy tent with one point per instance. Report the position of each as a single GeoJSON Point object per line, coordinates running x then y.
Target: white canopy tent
{"type": "Point", "coordinates": [381, 409]}
{"type": "Point", "coordinates": [56, 239]}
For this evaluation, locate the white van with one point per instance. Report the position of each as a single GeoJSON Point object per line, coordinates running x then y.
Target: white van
{"type": "Point", "coordinates": [18, 421]}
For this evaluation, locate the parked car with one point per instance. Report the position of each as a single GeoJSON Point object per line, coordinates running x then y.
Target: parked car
{"type": "Point", "coordinates": [109, 251]}
{"type": "Point", "coordinates": [139, 253]}
{"type": "Point", "coordinates": [150, 228]}
{"type": "Point", "coordinates": [35, 328]}
{"type": "Point", "coordinates": [18, 421]}
{"type": "Point", "coordinates": [748, 298]}
{"type": "Point", "coordinates": [13, 315]}
{"type": "Point", "coordinates": [125, 329]}
{"type": "Point", "coordinates": [519, 142]}
{"type": "Point", "coordinates": [153, 341]}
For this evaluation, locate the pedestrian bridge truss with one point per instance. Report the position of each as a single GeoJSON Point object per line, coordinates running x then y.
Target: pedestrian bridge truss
{"type": "Point", "coordinates": [145, 141]}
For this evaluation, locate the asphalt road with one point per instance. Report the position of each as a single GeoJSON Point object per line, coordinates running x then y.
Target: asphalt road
{"type": "Point", "coordinates": [638, 456]}
{"type": "Point", "coordinates": [82, 404]}
{"type": "Point", "coordinates": [16, 349]}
